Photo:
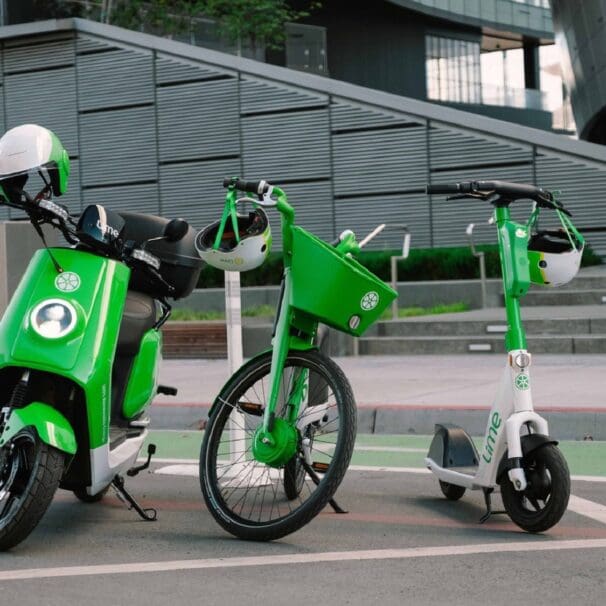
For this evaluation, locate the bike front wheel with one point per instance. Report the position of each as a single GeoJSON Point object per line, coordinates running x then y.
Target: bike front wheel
{"type": "Point", "coordinates": [256, 501]}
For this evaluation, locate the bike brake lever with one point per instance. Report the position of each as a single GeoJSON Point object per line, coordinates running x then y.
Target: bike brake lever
{"type": "Point", "coordinates": [474, 195]}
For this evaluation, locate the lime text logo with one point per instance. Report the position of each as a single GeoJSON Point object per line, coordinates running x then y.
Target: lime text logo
{"type": "Point", "coordinates": [493, 430]}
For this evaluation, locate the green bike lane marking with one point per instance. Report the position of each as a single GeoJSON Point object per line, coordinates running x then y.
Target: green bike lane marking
{"type": "Point", "coordinates": [392, 451]}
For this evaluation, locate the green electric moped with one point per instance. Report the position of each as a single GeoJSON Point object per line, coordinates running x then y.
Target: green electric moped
{"type": "Point", "coordinates": [80, 340]}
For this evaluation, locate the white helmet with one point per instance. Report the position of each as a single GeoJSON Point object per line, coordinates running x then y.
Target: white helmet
{"type": "Point", "coordinates": [555, 256]}
{"type": "Point", "coordinates": [238, 247]}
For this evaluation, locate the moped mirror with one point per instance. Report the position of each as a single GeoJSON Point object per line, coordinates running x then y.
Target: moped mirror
{"type": "Point", "coordinates": [175, 230]}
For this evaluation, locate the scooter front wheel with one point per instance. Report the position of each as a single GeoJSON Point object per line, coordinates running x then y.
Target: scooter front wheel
{"type": "Point", "coordinates": [543, 502]}
{"type": "Point", "coordinates": [30, 471]}
{"type": "Point", "coordinates": [257, 501]}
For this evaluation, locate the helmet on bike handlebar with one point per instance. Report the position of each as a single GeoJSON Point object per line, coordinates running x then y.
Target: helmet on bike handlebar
{"type": "Point", "coordinates": [28, 148]}
{"type": "Point", "coordinates": [555, 256]}
{"type": "Point", "coordinates": [243, 245]}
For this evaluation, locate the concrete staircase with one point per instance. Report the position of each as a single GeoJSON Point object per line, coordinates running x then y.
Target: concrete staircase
{"type": "Point", "coordinates": [571, 319]}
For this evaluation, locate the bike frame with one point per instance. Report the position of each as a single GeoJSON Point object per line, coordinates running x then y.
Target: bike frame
{"type": "Point", "coordinates": [512, 408]}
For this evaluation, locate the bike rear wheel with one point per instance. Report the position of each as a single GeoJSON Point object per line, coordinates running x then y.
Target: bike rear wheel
{"type": "Point", "coordinates": [256, 501]}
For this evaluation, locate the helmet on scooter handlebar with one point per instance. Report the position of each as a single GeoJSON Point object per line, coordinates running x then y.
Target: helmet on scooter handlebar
{"type": "Point", "coordinates": [554, 256]}
{"type": "Point", "coordinates": [242, 246]}
{"type": "Point", "coordinates": [31, 148]}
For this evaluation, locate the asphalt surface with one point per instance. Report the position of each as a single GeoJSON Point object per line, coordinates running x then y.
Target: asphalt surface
{"type": "Point", "coordinates": [400, 543]}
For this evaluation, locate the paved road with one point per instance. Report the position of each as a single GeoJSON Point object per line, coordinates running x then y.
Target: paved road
{"type": "Point", "coordinates": [401, 543]}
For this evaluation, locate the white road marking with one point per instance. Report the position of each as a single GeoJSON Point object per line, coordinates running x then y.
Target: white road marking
{"type": "Point", "coordinates": [302, 558]}
{"type": "Point", "coordinates": [586, 508]}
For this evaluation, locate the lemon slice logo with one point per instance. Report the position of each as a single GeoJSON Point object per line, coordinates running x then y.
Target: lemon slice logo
{"type": "Point", "coordinates": [369, 301]}
{"type": "Point", "coordinates": [68, 281]}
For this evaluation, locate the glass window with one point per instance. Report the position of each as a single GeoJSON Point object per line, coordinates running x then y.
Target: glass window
{"type": "Point", "coordinates": [453, 69]}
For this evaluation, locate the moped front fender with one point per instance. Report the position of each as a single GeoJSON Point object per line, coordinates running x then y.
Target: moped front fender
{"type": "Point", "coordinates": [52, 427]}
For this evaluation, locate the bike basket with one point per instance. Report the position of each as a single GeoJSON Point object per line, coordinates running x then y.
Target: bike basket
{"type": "Point", "coordinates": [336, 289]}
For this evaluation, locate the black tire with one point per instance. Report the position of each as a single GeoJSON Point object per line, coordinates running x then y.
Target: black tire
{"type": "Point", "coordinates": [279, 503]}
{"type": "Point", "coordinates": [542, 504]}
{"type": "Point", "coordinates": [30, 471]}
{"type": "Point", "coordinates": [83, 496]}
{"type": "Point", "coordinates": [451, 491]}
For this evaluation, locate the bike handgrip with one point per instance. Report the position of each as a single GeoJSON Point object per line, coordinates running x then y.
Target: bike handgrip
{"type": "Point", "coordinates": [505, 188]}
{"type": "Point", "coordinates": [258, 187]}
{"type": "Point", "coordinates": [443, 188]}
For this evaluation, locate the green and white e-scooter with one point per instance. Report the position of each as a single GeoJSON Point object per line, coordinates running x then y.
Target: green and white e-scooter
{"type": "Point", "coordinates": [79, 341]}
{"type": "Point", "coordinates": [517, 452]}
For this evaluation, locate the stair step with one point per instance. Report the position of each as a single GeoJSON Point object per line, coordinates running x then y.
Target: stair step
{"type": "Point", "coordinates": [565, 297]}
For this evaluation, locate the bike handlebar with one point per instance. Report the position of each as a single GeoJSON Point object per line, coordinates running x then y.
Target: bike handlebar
{"type": "Point", "coordinates": [507, 189]}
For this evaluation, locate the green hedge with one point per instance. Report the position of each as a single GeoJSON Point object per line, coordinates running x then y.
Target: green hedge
{"type": "Point", "coordinates": [422, 264]}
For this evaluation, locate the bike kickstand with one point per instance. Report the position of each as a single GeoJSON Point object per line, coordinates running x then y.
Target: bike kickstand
{"type": "Point", "coordinates": [149, 515]}
{"type": "Point", "coordinates": [316, 480]}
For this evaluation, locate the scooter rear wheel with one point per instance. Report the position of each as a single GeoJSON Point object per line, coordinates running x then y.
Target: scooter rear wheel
{"type": "Point", "coordinates": [543, 502]}
{"type": "Point", "coordinates": [30, 471]}
{"type": "Point", "coordinates": [256, 501]}
{"type": "Point", "coordinates": [451, 491]}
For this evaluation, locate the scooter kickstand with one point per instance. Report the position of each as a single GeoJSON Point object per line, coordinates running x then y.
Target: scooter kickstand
{"type": "Point", "coordinates": [487, 500]}
{"type": "Point", "coordinates": [316, 480]}
{"type": "Point", "coordinates": [133, 471]}
{"type": "Point", "coordinates": [149, 515]}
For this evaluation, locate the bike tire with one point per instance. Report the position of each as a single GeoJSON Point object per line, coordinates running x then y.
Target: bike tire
{"type": "Point", "coordinates": [82, 495]}
{"type": "Point", "coordinates": [543, 503]}
{"type": "Point", "coordinates": [257, 502]}
{"type": "Point", "coordinates": [451, 491]}
{"type": "Point", "coordinates": [30, 474]}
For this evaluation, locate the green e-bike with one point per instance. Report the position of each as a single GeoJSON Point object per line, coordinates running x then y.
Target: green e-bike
{"type": "Point", "coordinates": [517, 452]}
{"type": "Point", "coordinates": [80, 341]}
{"type": "Point", "coordinates": [280, 433]}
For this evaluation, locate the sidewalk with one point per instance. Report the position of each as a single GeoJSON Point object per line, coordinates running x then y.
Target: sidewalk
{"type": "Point", "coordinates": [408, 394]}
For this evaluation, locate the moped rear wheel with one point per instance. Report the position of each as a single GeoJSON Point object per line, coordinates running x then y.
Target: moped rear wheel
{"type": "Point", "coordinates": [258, 501]}
{"type": "Point", "coordinates": [542, 504]}
{"type": "Point", "coordinates": [30, 471]}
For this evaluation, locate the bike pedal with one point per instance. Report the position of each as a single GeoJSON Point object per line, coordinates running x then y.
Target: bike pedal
{"type": "Point", "coordinates": [320, 467]}
{"type": "Point", "coordinates": [166, 390]}
{"type": "Point", "coordinates": [249, 408]}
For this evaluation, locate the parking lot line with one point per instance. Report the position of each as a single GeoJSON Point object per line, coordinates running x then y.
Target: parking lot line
{"type": "Point", "coordinates": [586, 508]}
{"type": "Point", "coordinates": [301, 558]}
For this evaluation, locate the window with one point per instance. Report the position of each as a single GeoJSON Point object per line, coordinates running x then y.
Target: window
{"type": "Point", "coordinates": [453, 69]}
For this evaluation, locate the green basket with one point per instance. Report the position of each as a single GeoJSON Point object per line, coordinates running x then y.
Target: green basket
{"type": "Point", "coordinates": [336, 289]}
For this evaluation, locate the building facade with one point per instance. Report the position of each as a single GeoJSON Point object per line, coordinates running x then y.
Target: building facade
{"type": "Point", "coordinates": [154, 125]}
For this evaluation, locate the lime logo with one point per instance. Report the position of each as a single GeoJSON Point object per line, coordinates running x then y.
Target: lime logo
{"type": "Point", "coordinates": [369, 301]}
{"type": "Point", "coordinates": [522, 381]}
{"type": "Point", "coordinates": [67, 281]}
{"type": "Point", "coordinates": [520, 233]}
{"type": "Point", "coordinates": [491, 438]}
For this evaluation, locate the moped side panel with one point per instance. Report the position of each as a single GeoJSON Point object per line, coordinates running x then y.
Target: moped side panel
{"type": "Point", "coordinates": [142, 384]}
{"type": "Point", "coordinates": [52, 427]}
{"type": "Point", "coordinates": [95, 287]}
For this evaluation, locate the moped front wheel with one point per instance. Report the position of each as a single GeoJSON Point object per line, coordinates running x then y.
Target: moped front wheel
{"type": "Point", "coordinates": [543, 502]}
{"type": "Point", "coordinates": [257, 501]}
{"type": "Point", "coordinates": [30, 471]}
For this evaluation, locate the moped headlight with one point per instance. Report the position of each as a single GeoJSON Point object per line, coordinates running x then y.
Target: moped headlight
{"type": "Point", "coordinates": [53, 318]}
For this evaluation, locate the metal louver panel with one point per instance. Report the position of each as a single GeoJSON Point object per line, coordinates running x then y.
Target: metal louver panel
{"type": "Point", "coordinates": [450, 148]}
{"type": "Point", "coordinates": [362, 215]}
{"type": "Point", "coordinates": [2, 112]}
{"type": "Point", "coordinates": [288, 146]}
{"type": "Point", "coordinates": [170, 70]}
{"type": "Point", "coordinates": [313, 207]}
{"type": "Point", "coordinates": [45, 98]}
{"type": "Point", "coordinates": [583, 192]}
{"type": "Point", "coordinates": [380, 161]}
{"type": "Point", "coordinates": [118, 146]}
{"type": "Point", "coordinates": [88, 44]}
{"type": "Point", "coordinates": [115, 79]}
{"type": "Point", "coordinates": [134, 198]}
{"type": "Point", "coordinates": [198, 120]}
{"type": "Point", "coordinates": [259, 96]}
{"type": "Point", "coordinates": [194, 191]}
{"type": "Point", "coordinates": [39, 56]}
{"type": "Point", "coordinates": [346, 116]}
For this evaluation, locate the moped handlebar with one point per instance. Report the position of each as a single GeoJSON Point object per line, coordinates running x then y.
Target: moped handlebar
{"type": "Point", "coordinates": [258, 187]}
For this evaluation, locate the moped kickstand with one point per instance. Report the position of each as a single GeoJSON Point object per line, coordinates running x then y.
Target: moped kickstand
{"type": "Point", "coordinates": [150, 514]}
{"type": "Point", "coordinates": [316, 480]}
{"type": "Point", "coordinates": [487, 500]}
